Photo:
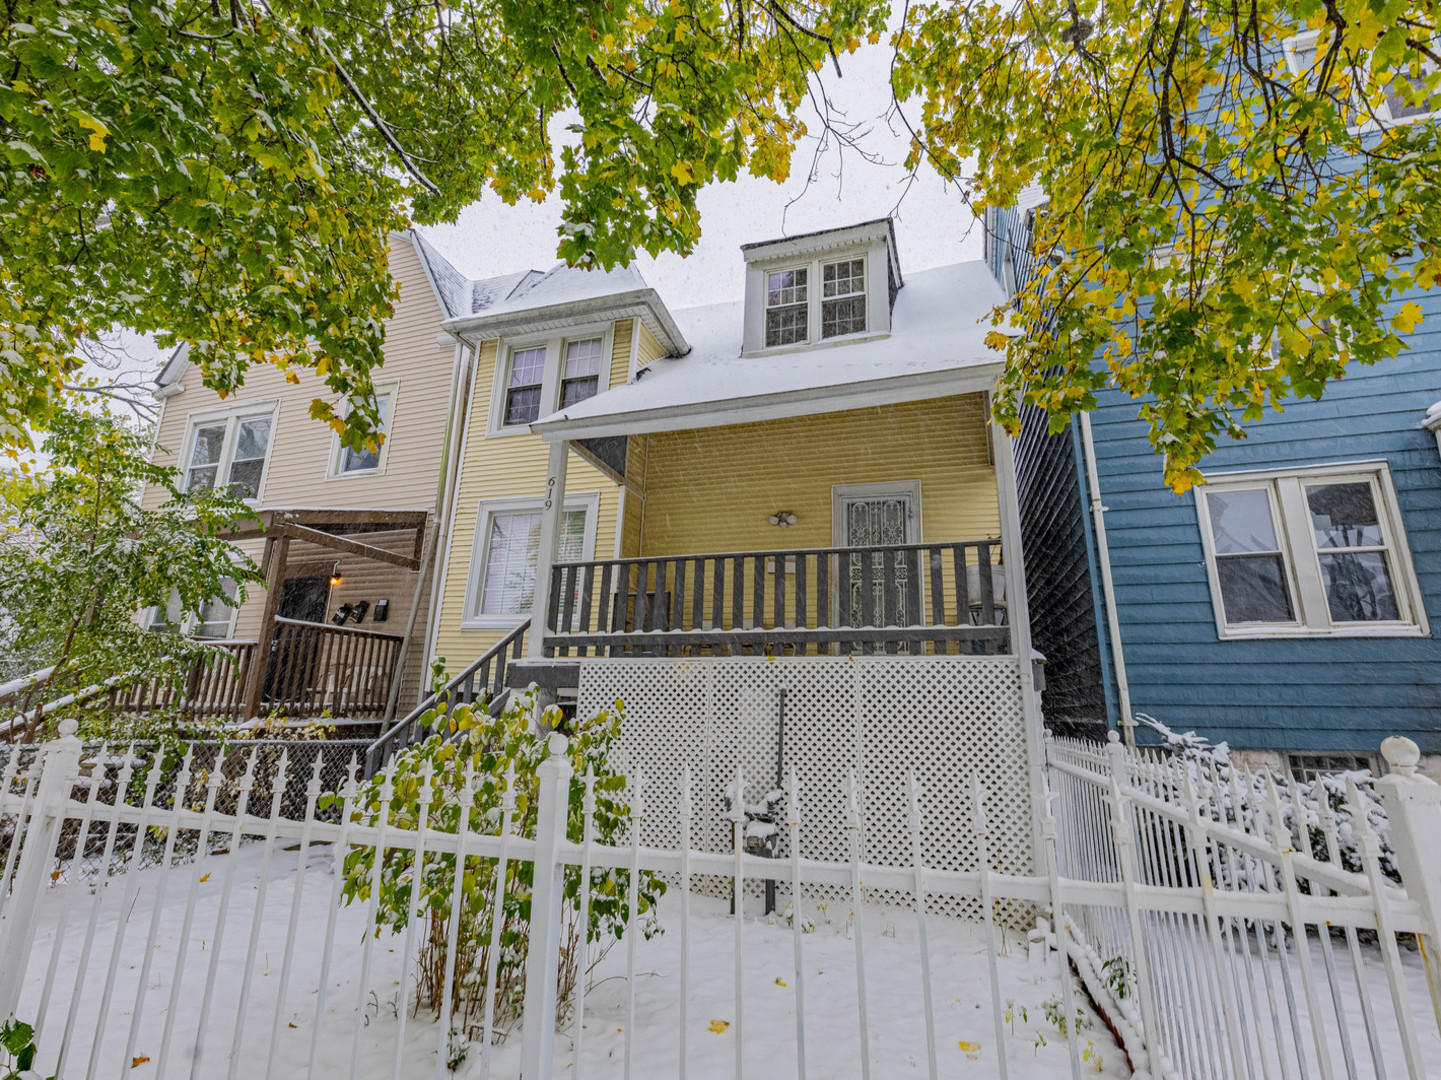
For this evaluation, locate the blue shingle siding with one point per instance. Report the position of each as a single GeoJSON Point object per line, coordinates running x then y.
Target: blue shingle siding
{"type": "Point", "coordinates": [1305, 694]}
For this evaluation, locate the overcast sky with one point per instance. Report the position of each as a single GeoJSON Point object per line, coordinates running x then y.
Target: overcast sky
{"type": "Point", "coordinates": [934, 226]}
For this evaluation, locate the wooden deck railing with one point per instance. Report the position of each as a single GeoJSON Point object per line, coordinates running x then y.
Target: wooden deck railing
{"type": "Point", "coordinates": [908, 598]}
{"type": "Point", "coordinates": [316, 668]}
{"type": "Point", "coordinates": [212, 689]}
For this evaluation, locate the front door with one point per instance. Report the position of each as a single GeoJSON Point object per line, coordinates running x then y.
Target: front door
{"type": "Point", "coordinates": [293, 661]}
{"type": "Point", "coordinates": [879, 517]}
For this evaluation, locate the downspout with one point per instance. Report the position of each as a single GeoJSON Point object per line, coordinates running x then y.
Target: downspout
{"type": "Point", "coordinates": [1126, 721]}
{"type": "Point", "coordinates": [440, 521]}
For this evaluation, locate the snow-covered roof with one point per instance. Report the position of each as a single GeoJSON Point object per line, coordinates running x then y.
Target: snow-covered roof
{"type": "Point", "coordinates": [936, 347]}
{"type": "Point", "coordinates": [1433, 417]}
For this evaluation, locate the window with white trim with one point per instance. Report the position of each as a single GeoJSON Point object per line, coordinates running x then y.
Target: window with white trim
{"type": "Point", "coordinates": [230, 451]}
{"type": "Point", "coordinates": [369, 459]}
{"type": "Point", "coordinates": [507, 549]}
{"type": "Point", "coordinates": [1317, 551]}
{"type": "Point", "coordinates": [1399, 106]}
{"type": "Point", "coordinates": [536, 376]}
{"type": "Point", "coordinates": [787, 307]}
{"type": "Point", "coordinates": [214, 622]}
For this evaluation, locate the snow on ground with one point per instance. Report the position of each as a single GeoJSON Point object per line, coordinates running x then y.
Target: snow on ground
{"type": "Point", "coordinates": [278, 1042]}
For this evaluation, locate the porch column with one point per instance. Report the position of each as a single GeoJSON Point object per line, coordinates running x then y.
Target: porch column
{"type": "Point", "coordinates": [549, 544]}
{"type": "Point", "coordinates": [260, 659]}
{"type": "Point", "coordinates": [1019, 615]}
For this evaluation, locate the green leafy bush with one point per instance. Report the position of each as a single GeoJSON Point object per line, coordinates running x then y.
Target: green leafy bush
{"type": "Point", "coordinates": [470, 748]}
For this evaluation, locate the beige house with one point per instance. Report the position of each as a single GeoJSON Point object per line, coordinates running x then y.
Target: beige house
{"type": "Point", "coordinates": [346, 539]}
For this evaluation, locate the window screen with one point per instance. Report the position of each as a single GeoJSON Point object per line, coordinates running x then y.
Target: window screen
{"type": "Point", "coordinates": [522, 396]}
{"type": "Point", "coordinates": [581, 378]}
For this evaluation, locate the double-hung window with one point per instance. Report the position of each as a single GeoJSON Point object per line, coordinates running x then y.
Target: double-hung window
{"type": "Point", "coordinates": [214, 622]}
{"type": "Point", "coordinates": [368, 459]}
{"type": "Point", "coordinates": [535, 378]}
{"type": "Point", "coordinates": [231, 452]}
{"type": "Point", "coordinates": [797, 314]}
{"type": "Point", "coordinates": [1314, 551]}
{"type": "Point", "coordinates": [507, 549]}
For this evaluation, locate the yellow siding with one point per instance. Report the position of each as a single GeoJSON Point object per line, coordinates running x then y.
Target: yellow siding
{"type": "Point", "coordinates": [504, 467]}
{"type": "Point", "coordinates": [714, 490]}
{"type": "Point", "coordinates": [650, 348]}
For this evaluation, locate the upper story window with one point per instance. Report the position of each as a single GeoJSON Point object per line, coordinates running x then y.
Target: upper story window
{"type": "Point", "coordinates": [843, 297]}
{"type": "Point", "coordinates": [536, 377]}
{"type": "Point", "coordinates": [787, 307]}
{"type": "Point", "coordinates": [581, 377]}
{"type": "Point", "coordinates": [230, 451]}
{"type": "Point", "coordinates": [368, 460]}
{"type": "Point", "coordinates": [1316, 551]}
{"type": "Point", "coordinates": [1400, 105]}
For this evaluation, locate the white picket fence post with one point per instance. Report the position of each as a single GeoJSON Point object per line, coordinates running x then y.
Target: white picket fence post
{"type": "Point", "coordinates": [1413, 811]}
{"type": "Point", "coordinates": [59, 765]}
{"type": "Point", "coordinates": [542, 960]}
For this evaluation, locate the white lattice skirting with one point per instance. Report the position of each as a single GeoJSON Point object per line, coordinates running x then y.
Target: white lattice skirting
{"type": "Point", "coordinates": [946, 718]}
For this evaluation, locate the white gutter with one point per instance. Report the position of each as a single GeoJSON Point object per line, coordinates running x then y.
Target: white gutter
{"type": "Point", "coordinates": [1108, 589]}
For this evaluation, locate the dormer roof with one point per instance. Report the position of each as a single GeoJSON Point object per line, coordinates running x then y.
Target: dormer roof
{"type": "Point", "coordinates": [824, 240]}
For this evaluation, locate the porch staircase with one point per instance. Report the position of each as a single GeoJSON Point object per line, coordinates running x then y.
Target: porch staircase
{"type": "Point", "coordinates": [483, 680]}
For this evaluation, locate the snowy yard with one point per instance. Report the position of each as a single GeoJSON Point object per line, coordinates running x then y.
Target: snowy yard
{"type": "Point", "coordinates": [964, 1026]}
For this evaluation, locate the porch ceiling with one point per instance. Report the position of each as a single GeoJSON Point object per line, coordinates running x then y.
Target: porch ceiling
{"type": "Point", "coordinates": [936, 348]}
{"type": "Point", "coordinates": [331, 528]}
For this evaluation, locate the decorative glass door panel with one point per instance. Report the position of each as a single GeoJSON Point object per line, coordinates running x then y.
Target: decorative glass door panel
{"type": "Point", "coordinates": [882, 589]}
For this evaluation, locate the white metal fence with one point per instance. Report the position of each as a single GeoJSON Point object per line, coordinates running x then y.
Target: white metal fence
{"type": "Point", "coordinates": [1194, 918]}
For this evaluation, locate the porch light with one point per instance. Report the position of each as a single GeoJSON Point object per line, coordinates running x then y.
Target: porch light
{"type": "Point", "coordinates": [783, 519]}
{"type": "Point", "coordinates": [335, 577]}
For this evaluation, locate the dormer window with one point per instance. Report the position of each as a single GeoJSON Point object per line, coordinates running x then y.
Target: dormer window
{"type": "Point", "coordinates": [843, 297]}
{"type": "Point", "coordinates": [827, 288]}
{"type": "Point", "coordinates": [787, 307]}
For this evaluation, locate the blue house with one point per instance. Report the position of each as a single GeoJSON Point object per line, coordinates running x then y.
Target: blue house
{"type": "Point", "coordinates": [1286, 606]}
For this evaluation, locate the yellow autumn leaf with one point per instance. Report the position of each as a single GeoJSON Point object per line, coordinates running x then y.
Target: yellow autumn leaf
{"type": "Point", "coordinates": [683, 173]}
{"type": "Point", "coordinates": [1405, 320]}
{"type": "Point", "coordinates": [204, 877]}
{"type": "Point", "coordinates": [322, 366]}
{"type": "Point", "coordinates": [969, 1047]}
{"type": "Point", "coordinates": [97, 130]}
{"type": "Point", "coordinates": [780, 981]}
{"type": "Point", "coordinates": [719, 1026]}
{"type": "Point", "coordinates": [138, 1060]}
{"type": "Point", "coordinates": [291, 377]}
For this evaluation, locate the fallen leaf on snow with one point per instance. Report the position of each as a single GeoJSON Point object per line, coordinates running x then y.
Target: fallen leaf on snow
{"type": "Point", "coordinates": [780, 981]}
{"type": "Point", "coordinates": [204, 877]}
{"type": "Point", "coordinates": [972, 1049]}
{"type": "Point", "coordinates": [719, 1026]}
{"type": "Point", "coordinates": [136, 1062]}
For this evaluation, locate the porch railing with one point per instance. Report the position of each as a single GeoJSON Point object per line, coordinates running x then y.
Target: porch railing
{"type": "Point", "coordinates": [907, 598]}
{"type": "Point", "coordinates": [213, 688]}
{"type": "Point", "coordinates": [316, 668]}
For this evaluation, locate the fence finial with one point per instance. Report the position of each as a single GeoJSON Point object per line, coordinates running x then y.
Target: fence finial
{"type": "Point", "coordinates": [69, 726]}
{"type": "Point", "coordinates": [556, 744]}
{"type": "Point", "coordinates": [1401, 754]}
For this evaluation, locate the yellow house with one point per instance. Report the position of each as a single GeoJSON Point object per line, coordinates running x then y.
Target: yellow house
{"type": "Point", "coordinates": [766, 525]}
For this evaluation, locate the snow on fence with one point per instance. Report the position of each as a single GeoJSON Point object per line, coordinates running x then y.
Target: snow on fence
{"type": "Point", "coordinates": [1184, 908]}
{"type": "Point", "coordinates": [1256, 933]}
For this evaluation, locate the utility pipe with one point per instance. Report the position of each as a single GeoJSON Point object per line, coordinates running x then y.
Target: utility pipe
{"type": "Point", "coordinates": [1108, 589]}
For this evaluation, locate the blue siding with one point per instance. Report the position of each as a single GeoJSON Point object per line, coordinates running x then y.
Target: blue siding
{"type": "Point", "coordinates": [1296, 694]}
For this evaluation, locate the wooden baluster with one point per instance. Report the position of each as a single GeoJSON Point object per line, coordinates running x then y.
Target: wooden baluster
{"type": "Point", "coordinates": [802, 646]}
{"type": "Point", "coordinates": [738, 603]}
{"type": "Point", "coordinates": [718, 599]}
{"type": "Point", "coordinates": [963, 591]}
{"type": "Point", "coordinates": [567, 623]}
{"type": "Point", "coordinates": [642, 575]}
{"type": "Point", "coordinates": [779, 620]}
{"type": "Point", "coordinates": [823, 597]}
{"type": "Point", "coordinates": [550, 621]}
{"type": "Point", "coordinates": [587, 577]}
{"type": "Point", "coordinates": [677, 604]}
{"type": "Point", "coordinates": [659, 612]}
{"type": "Point", "coordinates": [988, 597]}
{"type": "Point", "coordinates": [605, 604]}
{"type": "Point", "coordinates": [697, 598]}
{"type": "Point", "coordinates": [868, 598]}
{"type": "Point", "coordinates": [938, 594]}
{"type": "Point", "coordinates": [758, 592]}
{"type": "Point", "coordinates": [890, 593]}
